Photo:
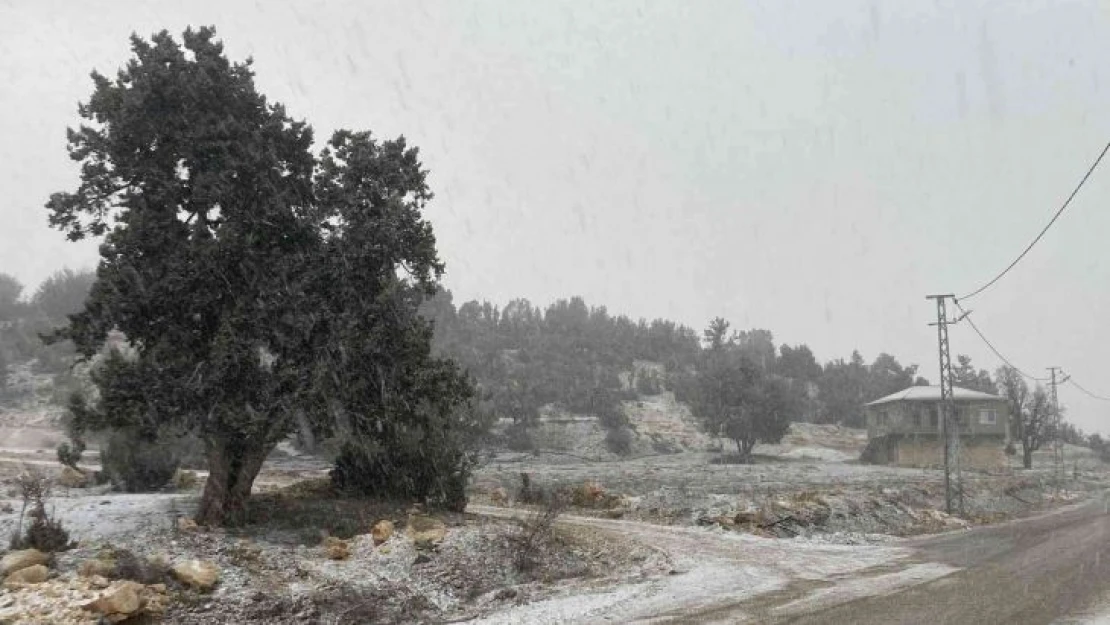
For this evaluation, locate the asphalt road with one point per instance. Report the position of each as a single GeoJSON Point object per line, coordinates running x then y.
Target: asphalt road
{"type": "Point", "coordinates": [1038, 570]}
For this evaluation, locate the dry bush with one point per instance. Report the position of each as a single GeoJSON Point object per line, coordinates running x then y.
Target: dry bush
{"type": "Point", "coordinates": [619, 440]}
{"type": "Point", "coordinates": [588, 495]}
{"type": "Point", "coordinates": [537, 531]}
{"type": "Point", "coordinates": [184, 479]}
{"type": "Point", "coordinates": [529, 492]}
{"type": "Point", "coordinates": [127, 565]}
{"type": "Point", "coordinates": [45, 532]}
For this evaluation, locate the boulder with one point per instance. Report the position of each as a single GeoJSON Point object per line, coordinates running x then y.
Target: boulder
{"type": "Point", "coordinates": [499, 496]}
{"type": "Point", "coordinates": [426, 531]}
{"type": "Point", "coordinates": [98, 581]}
{"type": "Point", "coordinates": [337, 548]}
{"type": "Point", "coordinates": [197, 574]}
{"type": "Point", "coordinates": [119, 602]}
{"type": "Point", "coordinates": [73, 478]}
{"type": "Point", "coordinates": [382, 531]}
{"type": "Point", "coordinates": [34, 574]}
{"type": "Point", "coordinates": [21, 559]}
{"type": "Point", "coordinates": [185, 524]}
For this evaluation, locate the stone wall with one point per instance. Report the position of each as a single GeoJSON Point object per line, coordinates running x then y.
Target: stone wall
{"type": "Point", "coordinates": [976, 452]}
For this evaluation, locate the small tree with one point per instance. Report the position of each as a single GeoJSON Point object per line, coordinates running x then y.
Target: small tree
{"type": "Point", "coordinates": [1030, 412]}
{"type": "Point", "coordinates": [735, 398]}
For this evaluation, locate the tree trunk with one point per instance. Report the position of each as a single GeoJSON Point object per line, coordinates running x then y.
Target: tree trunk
{"type": "Point", "coordinates": [744, 448]}
{"type": "Point", "coordinates": [233, 464]}
{"type": "Point", "coordinates": [1027, 456]}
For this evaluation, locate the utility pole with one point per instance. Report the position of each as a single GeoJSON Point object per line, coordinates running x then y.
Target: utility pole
{"type": "Point", "coordinates": [1057, 424]}
{"type": "Point", "coordinates": [1057, 460]}
{"type": "Point", "coordinates": [953, 498]}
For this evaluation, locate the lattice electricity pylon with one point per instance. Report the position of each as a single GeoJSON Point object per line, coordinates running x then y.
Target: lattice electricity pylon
{"type": "Point", "coordinates": [953, 494]}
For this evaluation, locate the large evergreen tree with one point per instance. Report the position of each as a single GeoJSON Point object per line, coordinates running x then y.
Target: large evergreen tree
{"type": "Point", "coordinates": [259, 285]}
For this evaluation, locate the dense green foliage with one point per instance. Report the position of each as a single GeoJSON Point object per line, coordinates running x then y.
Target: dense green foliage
{"type": "Point", "coordinates": [735, 392]}
{"type": "Point", "coordinates": [583, 359]}
{"type": "Point", "coordinates": [258, 284]}
{"type": "Point", "coordinates": [134, 463]}
{"type": "Point", "coordinates": [23, 320]}
{"type": "Point", "coordinates": [570, 354]}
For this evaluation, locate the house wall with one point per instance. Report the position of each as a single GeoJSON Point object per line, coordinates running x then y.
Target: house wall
{"type": "Point", "coordinates": [922, 417]}
{"type": "Point", "coordinates": [927, 451]}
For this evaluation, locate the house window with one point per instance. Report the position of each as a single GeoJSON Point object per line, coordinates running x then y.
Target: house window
{"type": "Point", "coordinates": [883, 418]}
{"type": "Point", "coordinates": [988, 417]}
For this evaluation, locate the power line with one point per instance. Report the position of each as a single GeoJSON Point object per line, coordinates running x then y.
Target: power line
{"type": "Point", "coordinates": [1088, 393]}
{"type": "Point", "coordinates": [967, 315]}
{"type": "Point", "coordinates": [1068, 379]}
{"type": "Point", "coordinates": [1045, 229]}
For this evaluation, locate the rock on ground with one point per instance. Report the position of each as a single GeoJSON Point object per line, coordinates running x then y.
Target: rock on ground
{"type": "Point", "coordinates": [34, 574]}
{"type": "Point", "coordinates": [382, 531]}
{"type": "Point", "coordinates": [21, 559]}
{"type": "Point", "coordinates": [198, 574]}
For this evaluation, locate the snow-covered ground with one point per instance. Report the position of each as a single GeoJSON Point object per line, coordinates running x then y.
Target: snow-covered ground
{"type": "Point", "coordinates": [714, 569]}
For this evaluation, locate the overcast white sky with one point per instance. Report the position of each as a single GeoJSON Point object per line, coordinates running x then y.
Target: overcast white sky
{"type": "Point", "coordinates": [814, 168]}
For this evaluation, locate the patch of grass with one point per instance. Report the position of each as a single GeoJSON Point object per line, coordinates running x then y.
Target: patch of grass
{"type": "Point", "coordinates": [309, 510]}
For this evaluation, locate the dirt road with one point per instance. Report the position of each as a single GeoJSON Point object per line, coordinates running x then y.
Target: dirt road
{"type": "Point", "coordinates": [1038, 570]}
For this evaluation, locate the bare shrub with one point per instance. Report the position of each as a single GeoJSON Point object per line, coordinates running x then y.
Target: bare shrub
{"type": "Point", "coordinates": [185, 480]}
{"type": "Point", "coordinates": [537, 531]}
{"type": "Point", "coordinates": [45, 533]}
{"type": "Point", "coordinates": [128, 565]}
{"type": "Point", "coordinates": [530, 493]}
{"type": "Point", "coordinates": [619, 440]}
{"type": "Point", "coordinates": [588, 495]}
